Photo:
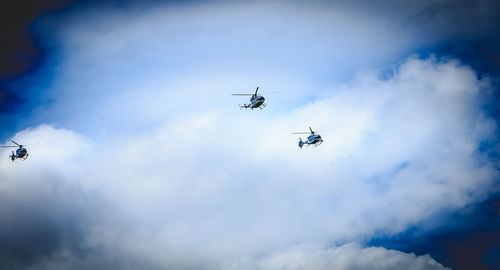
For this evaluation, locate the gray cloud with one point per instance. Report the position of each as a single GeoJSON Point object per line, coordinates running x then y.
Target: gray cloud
{"type": "Point", "coordinates": [41, 219]}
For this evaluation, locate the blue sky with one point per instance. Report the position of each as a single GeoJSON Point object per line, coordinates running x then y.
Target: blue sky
{"type": "Point", "coordinates": [131, 106]}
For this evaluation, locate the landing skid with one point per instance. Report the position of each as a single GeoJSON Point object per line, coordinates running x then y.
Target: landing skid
{"type": "Point", "coordinates": [313, 144]}
{"type": "Point", "coordinates": [248, 106]}
{"type": "Point", "coordinates": [25, 157]}
{"type": "Point", "coordinates": [318, 143]}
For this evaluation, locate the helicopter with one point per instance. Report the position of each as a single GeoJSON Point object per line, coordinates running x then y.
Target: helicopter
{"type": "Point", "coordinates": [21, 152]}
{"type": "Point", "coordinates": [313, 139]}
{"type": "Point", "coordinates": [256, 101]}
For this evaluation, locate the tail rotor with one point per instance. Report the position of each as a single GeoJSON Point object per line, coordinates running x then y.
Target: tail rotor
{"type": "Point", "coordinates": [301, 143]}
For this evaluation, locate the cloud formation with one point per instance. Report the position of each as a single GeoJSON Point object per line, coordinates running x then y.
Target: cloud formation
{"type": "Point", "coordinates": [416, 135]}
{"type": "Point", "coordinates": [156, 167]}
{"type": "Point", "coordinates": [127, 64]}
{"type": "Point", "coordinates": [346, 257]}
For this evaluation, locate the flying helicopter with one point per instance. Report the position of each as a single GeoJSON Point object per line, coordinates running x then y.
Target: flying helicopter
{"type": "Point", "coordinates": [312, 139]}
{"type": "Point", "coordinates": [21, 152]}
{"type": "Point", "coordinates": [256, 101]}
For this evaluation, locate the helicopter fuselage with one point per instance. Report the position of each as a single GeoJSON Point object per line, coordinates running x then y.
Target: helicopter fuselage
{"type": "Point", "coordinates": [256, 101]}
{"type": "Point", "coordinates": [314, 139]}
{"type": "Point", "coordinates": [21, 152]}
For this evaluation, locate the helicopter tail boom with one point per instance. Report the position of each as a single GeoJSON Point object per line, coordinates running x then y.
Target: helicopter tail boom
{"type": "Point", "coordinates": [244, 106]}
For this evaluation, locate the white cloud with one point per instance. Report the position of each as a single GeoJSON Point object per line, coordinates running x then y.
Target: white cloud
{"type": "Point", "coordinates": [346, 257]}
{"type": "Point", "coordinates": [225, 184]}
{"type": "Point", "coordinates": [135, 68]}
{"type": "Point", "coordinates": [149, 126]}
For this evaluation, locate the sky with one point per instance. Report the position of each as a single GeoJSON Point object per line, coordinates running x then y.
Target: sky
{"type": "Point", "coordinates": [145, 161]}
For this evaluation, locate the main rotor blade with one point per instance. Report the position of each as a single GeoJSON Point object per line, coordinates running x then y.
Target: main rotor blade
{"type": "Point", "coordinates": [5, 146]}
{"type": "Point", "coordinates": [241, 94]}
{"type": "Point", "coordinates": [256, 90]}
{"type": "Point", "coordinates": [269, 93]}
{"type": "Point", "coordinates": [30, 144]}
{"type": "Point", "coordinates": [14, 142]}
{"type": "Point", "coordinates": [315, 132]}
